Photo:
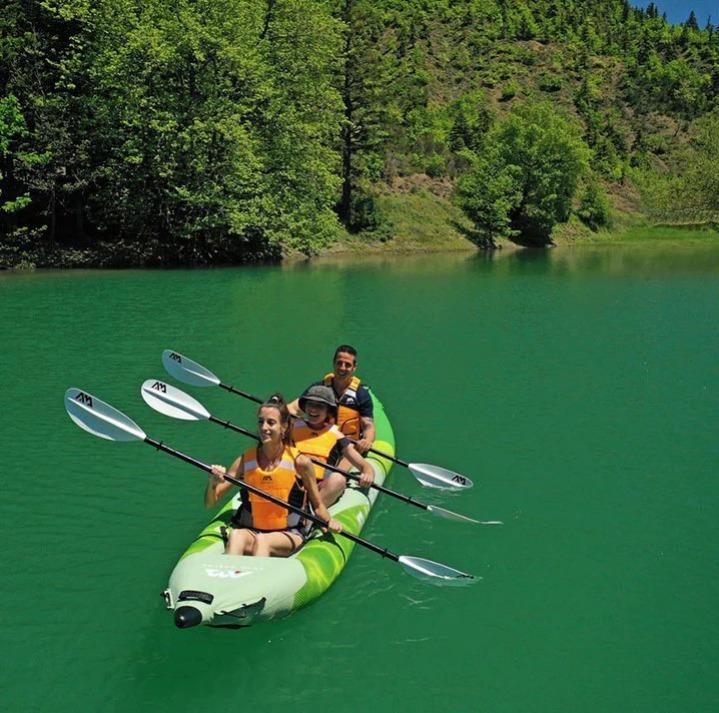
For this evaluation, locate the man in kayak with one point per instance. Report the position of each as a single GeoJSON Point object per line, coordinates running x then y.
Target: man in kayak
{"type": "Point", "coordinates": [318, 437]}
{"type": "Point", "coordinates": [260, 527]}
{"type": "Point", "coordinates": [354, 403]}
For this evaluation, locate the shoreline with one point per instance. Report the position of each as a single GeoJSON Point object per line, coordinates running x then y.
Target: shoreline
{"type": "Point", "coordinates": [504, 249]}
{"type": "Point", "coordinates": [409, 243]}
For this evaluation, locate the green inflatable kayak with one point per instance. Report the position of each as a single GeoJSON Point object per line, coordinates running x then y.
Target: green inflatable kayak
{"type": "Point", "coordinates": [209, 587]}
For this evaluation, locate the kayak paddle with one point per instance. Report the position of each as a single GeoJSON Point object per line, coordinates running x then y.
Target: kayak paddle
{"type": "Point", "coordinates": [190, 372]}
{"type": "Point", "coordinates": [175, 403]}
{"type": "Point", "coordinates": [102, 420]}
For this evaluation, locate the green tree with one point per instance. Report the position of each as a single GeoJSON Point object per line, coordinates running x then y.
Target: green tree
{"type": "Point", "coordinates": [524, 180]}
{"type": "Point", "coordinates": [206, 149]}
{"type": "Point", "coordinates": [12, 128]}
{"type": "Point", "coordinates": [41, 46]}
{"type": "Point", "coordinates": [368, 78]}
{"type": "Point", "coordinates": [593, 208]}
{"type": "Point", "coordinates": [701, 173]}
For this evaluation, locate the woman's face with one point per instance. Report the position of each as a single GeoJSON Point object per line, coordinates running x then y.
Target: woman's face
{"type": "Point", "coordinates": [269, 425]}
{"type": "Point", "coordinates": [316, 412]}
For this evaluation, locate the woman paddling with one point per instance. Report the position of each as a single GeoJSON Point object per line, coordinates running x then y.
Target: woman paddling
{"type": "Point", "coordinates": [260, 527]}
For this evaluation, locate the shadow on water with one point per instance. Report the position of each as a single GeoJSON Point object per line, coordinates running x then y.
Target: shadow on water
{"type": "Point", "coordinates": [372, 261]}
{"type": "Point", "coordinates": [516, 259]}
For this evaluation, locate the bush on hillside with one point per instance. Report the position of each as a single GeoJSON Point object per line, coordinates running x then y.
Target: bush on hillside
{"type": "Point", "coordinates": [593, 208]}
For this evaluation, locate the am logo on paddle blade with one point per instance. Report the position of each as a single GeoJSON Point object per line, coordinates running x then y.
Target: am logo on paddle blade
{"type": "Point", "coordinates": [176, 357]}
{"type": "Point", "coordinates": [459, 479]}
{"type": "Point", "coordinates": [84, 399]}
{"type": "Point", "coordinates": [159, 386]}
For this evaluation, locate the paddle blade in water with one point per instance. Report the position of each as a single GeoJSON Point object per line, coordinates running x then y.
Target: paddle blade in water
{"type": "Point", "coordinates": [99, 418]}
{"type": "Point", "coordinates": [449, 515]}
{"type": "Point", "coordinates": [432, 476]}
{"type": "Point", "coordinates": [172, 402]}
{"type": "Point", "coordinates": [435, 573]}
{"type": "Point", "coordinates": [187, 371]}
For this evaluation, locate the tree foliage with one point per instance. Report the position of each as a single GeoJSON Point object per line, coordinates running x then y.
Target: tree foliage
{"type": "Point", "coordinates": [197, 131]}
{"type": "Point", "coordinates": [689, 192]}
{"type": "Point", "coordinates": [523, 181]}
{"type": "Point", "coordinates": [171, 129]}
{"type": "Point", "coordinates": [593, 208]}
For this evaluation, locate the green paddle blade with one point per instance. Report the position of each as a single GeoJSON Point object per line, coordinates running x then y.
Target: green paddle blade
{"type": "Point", "coordinates": [434, 572]}
{"type": "Point", "coordinates": [187, 371]}
{"type": "Point", "coordinates": [99, 418]}
{"type": "Point", "coordinates": [433, 476]}
{"type": "Point", "coordinates": [172, 402]}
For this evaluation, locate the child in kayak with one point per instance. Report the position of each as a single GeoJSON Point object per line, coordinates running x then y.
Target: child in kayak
{"type": "Point", "coordinates": [319, 438]}
{"type": "Point", "coordinates": [260, 527]}
{"type": "Point", "coordinates": [355, 416]}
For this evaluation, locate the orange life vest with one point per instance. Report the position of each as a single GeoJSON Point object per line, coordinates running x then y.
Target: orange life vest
{"type": "Point", "coordinates": [282, 482]}
{"type": "Point", "coordinates": [316, 443]}
{"type": "Point", "coordinates": [348, 417]}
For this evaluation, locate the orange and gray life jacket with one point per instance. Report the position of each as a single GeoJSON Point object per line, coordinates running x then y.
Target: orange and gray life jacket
{"type": "Point", "coordinates": [316, 443]}
{"type": "Point", "coordinates": [282, 482]}
{"type": "Point", "coordinates": [348, 417]}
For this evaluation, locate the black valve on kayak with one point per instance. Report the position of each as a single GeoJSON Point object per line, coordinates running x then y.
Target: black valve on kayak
{"type": "Point", "coordinates": [186, 617]}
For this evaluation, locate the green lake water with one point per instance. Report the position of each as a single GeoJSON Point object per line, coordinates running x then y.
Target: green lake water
{"type": "Point", "coordinates": [577, 387]}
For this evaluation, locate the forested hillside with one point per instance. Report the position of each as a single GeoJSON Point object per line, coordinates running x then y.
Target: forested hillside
{"type": "Point", "coordinates": [209, 131]}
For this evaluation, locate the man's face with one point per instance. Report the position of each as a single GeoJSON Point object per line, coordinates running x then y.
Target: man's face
{"type": "Point", "coordinates": [345, 365]}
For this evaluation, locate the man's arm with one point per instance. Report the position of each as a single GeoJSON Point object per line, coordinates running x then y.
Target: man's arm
{"type": "Point", "coordinates": [367, 428]}
{"type": "Point", "coordinates": [368, 434]}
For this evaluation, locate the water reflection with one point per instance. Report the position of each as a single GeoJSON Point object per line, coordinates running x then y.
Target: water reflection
{"type": "Point", "coordinates": [654, 258]}
{"type": "Point", "coordinates": [641, 258]}
{"type": "Point", "coordinates": [382, 260]}
{"type": "Point", "coordinates": [637, 259]}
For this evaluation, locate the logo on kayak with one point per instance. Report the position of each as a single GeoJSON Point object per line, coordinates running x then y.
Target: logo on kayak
{"type": "Point", "coordinates": [226, 574]}
{"type": "Point", "coordinates": [265, 478]}
{"type": "Point", "coordinates": [159, 386]}
{"type": "Point", "coordinates": [84, 399]}
{"type": "Point", "coordinates": [176, 357]}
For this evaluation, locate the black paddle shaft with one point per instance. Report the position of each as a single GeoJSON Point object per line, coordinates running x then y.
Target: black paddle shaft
{"type": "Point", "coordinates": [232, 427]}
{"type": "Point", "coordinates": [160, 446]}
{"type": "Point", "coordinates": [347, 474]}
{"type": "Point", "coordinates": [233, 390]}
{"type": "Point", "coordinates": [257, 400]}
{"type": "Point", "coordinates": [384, 455]}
